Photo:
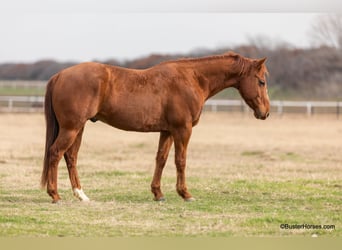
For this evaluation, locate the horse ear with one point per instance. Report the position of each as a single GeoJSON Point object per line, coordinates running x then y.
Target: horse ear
{"type": "Point", "coordinates": [260, 62]}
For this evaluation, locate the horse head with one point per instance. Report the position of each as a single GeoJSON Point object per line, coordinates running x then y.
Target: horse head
{"type": "Point", "coordinates": [253, 87]}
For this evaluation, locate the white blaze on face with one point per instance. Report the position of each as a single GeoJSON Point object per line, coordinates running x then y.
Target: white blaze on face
{"type": "Point", "coordinates": [80, 194]}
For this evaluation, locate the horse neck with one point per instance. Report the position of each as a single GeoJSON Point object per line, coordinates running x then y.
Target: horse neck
{"type": "Point", "coordinates": [215, 75]}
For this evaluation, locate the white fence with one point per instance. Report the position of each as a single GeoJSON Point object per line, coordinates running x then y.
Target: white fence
{"type": "Point", "coordinates": [25, 104]}
{"type": "Point", "coordinates": [36, 103]}
{"type": "Point", "coordinates": [281, 107]}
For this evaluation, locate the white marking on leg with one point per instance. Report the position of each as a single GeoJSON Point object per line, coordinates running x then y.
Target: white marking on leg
{"type": "Point", "coordinates": [80, 194]}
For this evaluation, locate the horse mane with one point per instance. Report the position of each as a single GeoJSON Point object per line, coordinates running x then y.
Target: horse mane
{"type": "Point", "coordinates": [227, 55]}
{"type": "Point", "coordinates": [241, 61]}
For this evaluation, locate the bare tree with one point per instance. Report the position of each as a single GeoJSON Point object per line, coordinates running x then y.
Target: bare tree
{"type": "Point", "coordinates": [327, 30]}
{"type": "Point", "coordinates": [266, 42]}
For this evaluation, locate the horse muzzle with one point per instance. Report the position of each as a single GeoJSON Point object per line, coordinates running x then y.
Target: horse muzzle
{"type": "Point", "coordinates": [261, 116]}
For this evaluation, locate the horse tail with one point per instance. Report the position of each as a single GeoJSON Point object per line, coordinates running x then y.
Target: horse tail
{"type": "Point", "coordinates": [52, 128]}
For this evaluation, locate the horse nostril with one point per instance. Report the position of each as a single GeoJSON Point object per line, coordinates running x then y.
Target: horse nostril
{"type": "Point", "coordinates": [267, 114]}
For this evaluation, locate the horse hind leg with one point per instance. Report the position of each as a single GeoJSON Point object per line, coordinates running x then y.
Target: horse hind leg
{"type": "Point", "coordinates": [70, 157]}
{"type": "Point", "coordinates": [62, 143]}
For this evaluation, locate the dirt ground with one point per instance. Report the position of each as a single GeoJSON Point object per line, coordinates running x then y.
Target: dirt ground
{"type": "Point", "coordinates": [233, 145]}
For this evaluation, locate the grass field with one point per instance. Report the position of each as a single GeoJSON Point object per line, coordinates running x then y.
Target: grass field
{"type": "Point", "coordinates": [248, 177]}
{"type": "Point", "coordinates": [21, 92]}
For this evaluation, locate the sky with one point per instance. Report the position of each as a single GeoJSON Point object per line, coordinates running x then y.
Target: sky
{"type": "Point", "coordinates": [85, 30]}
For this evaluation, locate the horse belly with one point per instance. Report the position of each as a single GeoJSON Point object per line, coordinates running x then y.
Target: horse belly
{"type": "Point", "coordinates": [134, 118]}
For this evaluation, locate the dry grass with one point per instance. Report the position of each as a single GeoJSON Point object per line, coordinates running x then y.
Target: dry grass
{"type": "Point", "coordinates": [248, 176]}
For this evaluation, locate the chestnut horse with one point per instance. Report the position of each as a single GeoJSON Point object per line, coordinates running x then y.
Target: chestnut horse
{"type": "Point", "coordinates": [167, 98]}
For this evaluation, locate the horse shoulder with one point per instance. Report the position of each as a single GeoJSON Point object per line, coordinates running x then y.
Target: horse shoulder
{"type": "Point", "coordinates": [185, 98]}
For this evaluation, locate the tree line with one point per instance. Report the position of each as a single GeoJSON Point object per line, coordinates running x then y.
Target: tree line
{"type": "Point", "coordinates": [313, 71]}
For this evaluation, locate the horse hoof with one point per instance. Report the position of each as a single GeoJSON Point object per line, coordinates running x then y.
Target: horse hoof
{"type": "Point", "coordinates": [161, 199]}
{"type": "Point", "coordinates": [56, 202]}
{"type": "Point", "coordinates": [191, 199]}
{"type": "Point", "coordinates": [80, 195]}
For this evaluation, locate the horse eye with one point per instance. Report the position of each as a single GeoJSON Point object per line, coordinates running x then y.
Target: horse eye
{"type": "Point", "coordinates": [261, 83]}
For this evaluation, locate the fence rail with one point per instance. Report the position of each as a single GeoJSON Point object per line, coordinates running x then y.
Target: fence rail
{"type": "Point", "coordinates": [26, 104]}
{"type": "Point", "coordinates": [36, 103]}
{"type": "Point", "coordinates": [280, 107]}
{"type": "Point", "coordinates": [14, 84]}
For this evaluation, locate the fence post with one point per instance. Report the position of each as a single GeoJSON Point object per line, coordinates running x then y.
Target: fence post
{"type": "Point", "coordinates": [10, 104]}
{"type": "Point", "coordinates": [337, 110]}
{"type": "Point", "coordinates": [245, 107]}
{"type": "Point", "coordinates": [309, 109]}
{"type": "Point", "coordinates": [214, 107]}
{"type": "Point", "coordinates": [280, 108]}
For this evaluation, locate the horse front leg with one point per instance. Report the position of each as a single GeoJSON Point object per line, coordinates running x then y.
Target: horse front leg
{"type": "Point", "coordinates": [165, 142]}
{"type": "Point", "coordinates": [181, 138]}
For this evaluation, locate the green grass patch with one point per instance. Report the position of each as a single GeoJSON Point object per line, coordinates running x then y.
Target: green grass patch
{"type": "Point", "coordinates": [114, 173]}
{"type": "Point", "coordinates": [291, 156]}
{"type": "Point", "coordinates": [126, 208]}
{"type": "Point", "coordinates": [252, 153]}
